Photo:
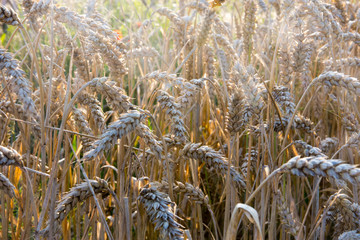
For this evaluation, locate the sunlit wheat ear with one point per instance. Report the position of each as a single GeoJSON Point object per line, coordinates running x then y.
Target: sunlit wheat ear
{"type": "Point", "coordinates": [189, 92]}
{"type": "Point", "coordinates": [115, 96]}
{"type": "Point", "coordinates": [320, 166]}
{"type": "Point", "coordinates": [172, 108]}
{"type": "Point", "coordinates": [8, 16]}
{"type": "Point", "coordinates": [145, 133]}
{"type": "Point", "coordinates": [127, 123]}
{"type": "Point", "coordinates": [172, 16]}
{"type": "Point", "coordinates": [7, 186]}
{"type": "Point", "coordinates": [9, 156]}
{"type": "Point", "coordinates": [113, 56]}
{"type": "Point", "coordinates": [332, 78]}
{"type": "Point", "coordinates": [17, 83]}
{"type": "Point", "coordinates": [205, 28]}
{"type": "Point", "coordinates": [213, 159]}
{"type": "Point", "coordinates": [249, 27]}
{"type": "Point", "coordinates": [40, 8]}
{"type": "Point", "coordinates": [159, 209]}
{"type": "Point", "coordinates": [342, 62]}
{"type": "Point", "coordinates": [95, 109]}
{"type": "Point", "coordinates": [77, 194]}
{"type": "Point", "coordinates": [226, 45]}
{"type": "Point", "coordinates": [83, 127]}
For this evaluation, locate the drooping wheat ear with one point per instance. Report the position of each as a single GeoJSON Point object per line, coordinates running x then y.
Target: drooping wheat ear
{"type": "Point", "coordinates": [76, 195]}
{"type": "Point", "coordinates": [283, 96]}
{"type": "Point", "coordinates": [83, 126]}
{"type": "Point", "coordinates": [8, 16]}
{"type": "Point", "coordinates": [327, 16]}
{"type": "Point", "coordinates": [234, 119]}
{"type": "Point", "coordinates": [328, 145]}
{"type": "Point", "coordinates": [40, 8]}
{"type": "Point", "coordinates": [172, 16]}
{"type": "Point", "coordinates": [9, 156]}
{"type": "Point", "coordinates": [320, 166]}
{"type": "Point", "coordinates": [346, 62]}
{"type": "Point", "coordinates": [227, 46]}
{"type": "Point", "coordinates": [115, 96]}
{"type": "Point", "coordinates": [127, 123]}
{"type": "Point", "coordinates": [198, 6]}
{"type": "Point", "coordinates": [249, 27]}
{"type": "Point", "coordinates": [113, 57]}
{"type": "Point", "coordinates": [332, 78]}
{"type": "Point", "coordinates": [145, 133]}
{"type": "Point", "coordinates": [159, 209]}
{"type": "Point", "coordinates": [205, 28]}
{"type": "Point", "coordinates": [189, 91]}
{"type": "Point", "coordinates": [213, 159]}
{"type": "Point", "coordinates": [194, 193]}
{"type": "Point", "coordinates": [17, 82]}
{"type": "Point", "coordinates": [308, 150]}
{"type": "Point", "coordinates": [349, 235]}
{"type": "Point", "coordinates": [172, 108]}
{"type": "Point", "coordinates": [164, 77]}
{"type": "Point", "coordinates": [95, 109]}
{"type": "Point", "coordinates": [7, 186]}
{"type": "Point", "coordinates": [64, 35]}
{"type": "Point", "coordinates": [287, 219]}
{"type": "Point", "coordinates": [349, 210]}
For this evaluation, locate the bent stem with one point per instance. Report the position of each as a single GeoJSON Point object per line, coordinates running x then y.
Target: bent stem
{"type": "Point", "coordinates": [251, 197]}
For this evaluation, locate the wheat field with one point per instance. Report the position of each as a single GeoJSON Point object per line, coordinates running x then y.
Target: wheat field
{"type": "Point", "coordinates": [189, 119]}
